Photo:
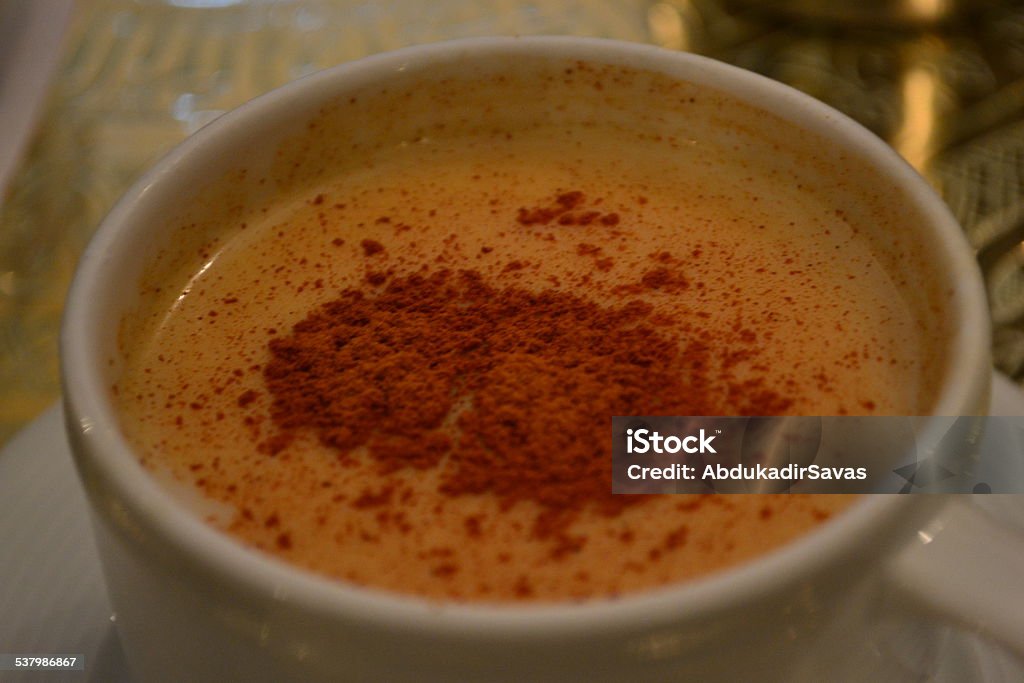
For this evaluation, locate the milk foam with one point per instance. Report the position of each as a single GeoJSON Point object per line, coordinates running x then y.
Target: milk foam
{"type": "Point", "coordinates": [763, 246]}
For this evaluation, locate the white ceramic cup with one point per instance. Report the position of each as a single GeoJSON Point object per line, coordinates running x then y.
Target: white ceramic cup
{"type": "Point", "coordinates": [194, 605]}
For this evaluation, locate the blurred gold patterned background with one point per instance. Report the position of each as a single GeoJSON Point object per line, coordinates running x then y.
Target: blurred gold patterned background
{"type": "Point", "coordinates": [941, 80]}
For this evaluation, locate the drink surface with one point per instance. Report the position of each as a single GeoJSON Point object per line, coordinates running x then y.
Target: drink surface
{"type": "Point", "coordinates": [352, 444]}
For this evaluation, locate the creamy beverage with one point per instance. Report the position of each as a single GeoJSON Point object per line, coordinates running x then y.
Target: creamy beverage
{"type": "Point", "coordinates": [392, 355]}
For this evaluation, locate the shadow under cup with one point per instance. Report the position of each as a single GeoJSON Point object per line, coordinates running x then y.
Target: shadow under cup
{"type": "Point", "coordinates": [193, 604]}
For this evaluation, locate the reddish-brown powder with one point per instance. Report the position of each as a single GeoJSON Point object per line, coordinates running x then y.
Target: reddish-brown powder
{"type": "Point", "coordinates": [515, 388]}
{"type": "Point", "coordinates": [563, 210]}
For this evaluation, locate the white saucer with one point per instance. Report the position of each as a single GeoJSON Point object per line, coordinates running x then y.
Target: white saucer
{"type": "Point", "coordinates": [53, 601]}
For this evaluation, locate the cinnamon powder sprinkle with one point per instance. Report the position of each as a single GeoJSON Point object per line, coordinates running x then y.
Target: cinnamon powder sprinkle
{"type": "Point", "coordinates": [371, 247]}
{"type": "Point", "coordinates": [563, 211]}
{"type": "Point", "coordinates": [511, 389]}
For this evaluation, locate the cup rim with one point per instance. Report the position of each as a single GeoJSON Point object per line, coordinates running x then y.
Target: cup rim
{"type": "Point", "coordinates": [103, 452]}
